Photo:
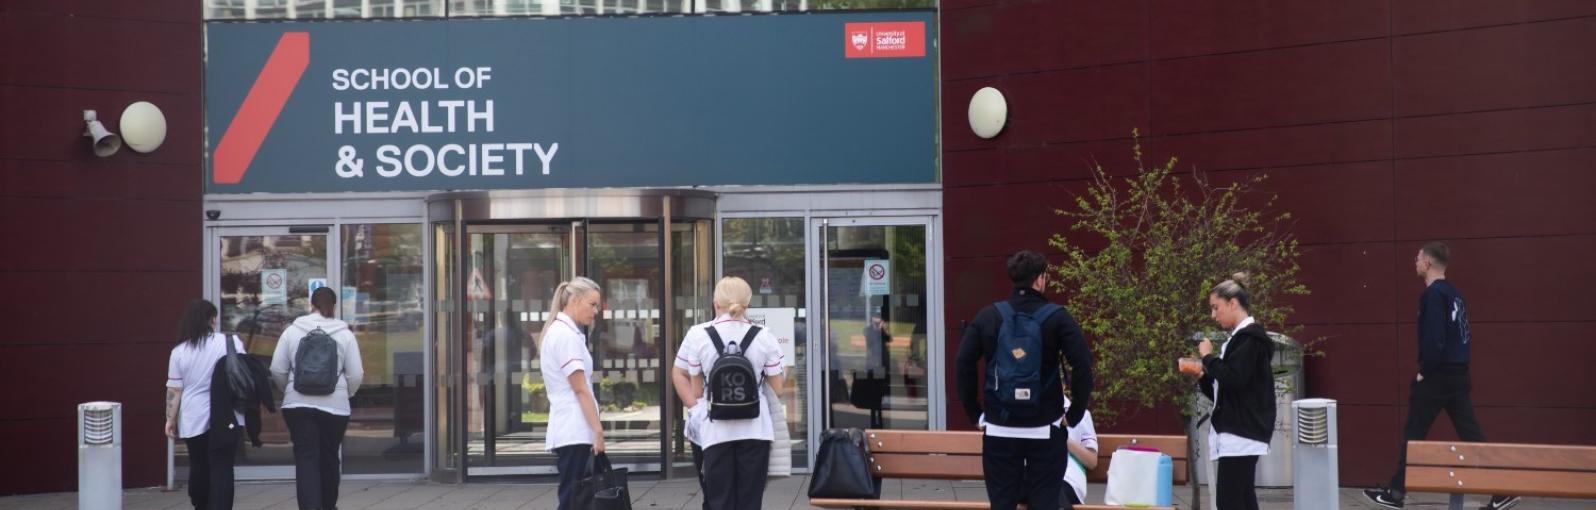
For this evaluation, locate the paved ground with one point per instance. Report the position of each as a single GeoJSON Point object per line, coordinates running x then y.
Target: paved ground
{"type": "Point", "coordinates": [647, 494]}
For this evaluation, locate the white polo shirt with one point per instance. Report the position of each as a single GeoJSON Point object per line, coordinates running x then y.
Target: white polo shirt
{"type": "Point", "coordinates": [563, 351]}
{"type": "Point", "coordinates": [190, 369]}
{"type": "Point", "coordinates": [697, 356]}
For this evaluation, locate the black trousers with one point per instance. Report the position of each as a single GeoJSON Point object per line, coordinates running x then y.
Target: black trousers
{"type": "Point", "coordinates": [1067, 498]}
{"type": "Point", "coordinates": [317, 436]}
{"type": "Point", "coordinates": [698, 470]}
{"type": "Point", "coordinates": [734, 474]}
{"type": "Point", "coordinates": [1426, 399]}
{"type": "Point", "coordinates": [1236, 488]}
{"type": "Point", "coordinates": [1030, 470]}
{"type": "Point", "coordinates": [210, 468]}
{"type": "Point", "coordinates": [571, 462]}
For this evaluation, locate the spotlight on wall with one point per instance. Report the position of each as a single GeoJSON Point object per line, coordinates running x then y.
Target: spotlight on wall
{"type": "Point", "coordinates": [105, 142]}
{"type": "Point", "coordinates": [143, 127]}
{"type": "Point", "coordinates": [988, 112]}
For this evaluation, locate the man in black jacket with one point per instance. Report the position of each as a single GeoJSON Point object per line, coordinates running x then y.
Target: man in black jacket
{"type": "Point", "coordinates": [1443, 378]}
{"type": "Point", "coordinates": [1024, 449]}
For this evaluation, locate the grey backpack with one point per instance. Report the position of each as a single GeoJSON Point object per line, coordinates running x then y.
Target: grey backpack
{"type": "Point", "coordinates": [316, 364]}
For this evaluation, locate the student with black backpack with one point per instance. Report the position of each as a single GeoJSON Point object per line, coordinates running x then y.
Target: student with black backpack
{"type": "Point", "coordinates": [719, 370]}
{"type": "Point", "coordinates": [1024, 341]}
{"type": "Point", "coordinates": [317, 362]}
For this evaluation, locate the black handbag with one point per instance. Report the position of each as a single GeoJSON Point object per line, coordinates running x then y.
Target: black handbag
{"type": "Point", "coordinates": [842, 467]}
{"type": "Point", "coordinates": [602, 487]}
{"type": "Point", "coordinates": [868, 389]}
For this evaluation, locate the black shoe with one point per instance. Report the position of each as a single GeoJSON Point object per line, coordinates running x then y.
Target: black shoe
{"type": "Point", "coordinates": [1502, 502]}
{"type": "Point", "coordinates": [1383, 497]}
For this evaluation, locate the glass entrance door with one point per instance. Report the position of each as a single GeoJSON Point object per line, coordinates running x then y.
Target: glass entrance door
{"type": "Point", "coordinates": [876, 328]}
{"type": "Point", "coordinates": [263, 280]}
{"type": "Point", "coordinates": [507, 283]}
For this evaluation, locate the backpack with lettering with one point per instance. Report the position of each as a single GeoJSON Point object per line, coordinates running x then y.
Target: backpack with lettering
{"type": "Point", "coordinates": [316, 364]}
{"type": "Point", "coordinates": [733, 383]}
{"type": "Point", "coordinates": [1015, 379]}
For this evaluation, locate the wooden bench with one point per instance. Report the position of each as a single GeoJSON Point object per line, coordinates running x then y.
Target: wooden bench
{"type": "Point", "coordinates": [957, 456]}
{"type": "Point", "coordinates": [1544, 470]}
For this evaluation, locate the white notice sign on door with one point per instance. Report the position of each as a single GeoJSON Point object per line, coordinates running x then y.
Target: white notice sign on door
{"type": "Point", "coordinates": [273, 287]}
{"type": "Point", "coordinates": [779, 321]}
{"type": "Point", "coordinates": [877, 277]}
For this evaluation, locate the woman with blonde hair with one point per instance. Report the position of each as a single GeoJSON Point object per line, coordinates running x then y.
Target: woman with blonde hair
{"type": "Point", "coordinates": [719, 370]}
{"type": "Point", "coordinates": [574, 435]}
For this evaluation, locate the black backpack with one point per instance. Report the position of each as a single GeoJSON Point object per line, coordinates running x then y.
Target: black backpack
{"type": "Point", "coordinates": [733, 383]}
{"type": "Point", "coordinates": [316, 364]}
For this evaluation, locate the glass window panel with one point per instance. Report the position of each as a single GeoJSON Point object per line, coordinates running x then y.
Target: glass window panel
{"type": "Point", "coordinates": [877, 361]}
{"type": "Point", "coordinates": [769, 253]}
{"type": "Point", "coordinates": [381, 301]}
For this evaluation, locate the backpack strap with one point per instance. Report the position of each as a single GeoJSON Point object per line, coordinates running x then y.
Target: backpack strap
{"type": "Point", "coordinates": [748, 339]}
{"type": "Point", "coordinates": [1005, 310]}
{"type": "Point", "coordinates": [1046, 311]}
{"type": "Point", "coordinates": [720, 346]}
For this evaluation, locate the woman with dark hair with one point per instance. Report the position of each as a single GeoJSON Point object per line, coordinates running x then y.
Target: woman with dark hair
{"type": "Point", "coordinates": [188, 406]}
{"type": "Point", "coordinates": [317, 364]}
{"type": "Point", "coordinates": [1239, 381]}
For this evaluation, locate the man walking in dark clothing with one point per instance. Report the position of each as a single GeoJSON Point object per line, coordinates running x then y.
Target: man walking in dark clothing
{"type": "Point", "coordinates": [1443, 378]}
{"type": "Point", "coordinates": [1024, 341]}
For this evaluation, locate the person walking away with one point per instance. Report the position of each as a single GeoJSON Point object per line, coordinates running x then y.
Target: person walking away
{"type": "Point", "coordinates": [317, 364]}
{"type": "Point", "coordinates": [188, 407]}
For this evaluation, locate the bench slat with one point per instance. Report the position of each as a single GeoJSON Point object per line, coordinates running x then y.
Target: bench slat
{"type": "Point", "coordinates": [917, 465]}
{"type": "Point", "coordinates": [1502, 455]}
{"type": "Point", "coordinates": [1173, 446]}
{"type": "Point", "coordinates": [1520, 482]}
{"type": "Point", "coordinates": [903, 441]}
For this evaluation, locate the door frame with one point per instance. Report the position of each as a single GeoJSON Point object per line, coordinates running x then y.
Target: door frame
{"type": "Point", "coordinates": [213, 285]}
{"type": "Point", "coordinates": [819, 334]}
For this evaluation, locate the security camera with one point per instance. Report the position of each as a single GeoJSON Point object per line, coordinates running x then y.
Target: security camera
{"type": "Point", "coordinates": [213, 214]}
{"type": "Point", "coordinates": [105, 142]}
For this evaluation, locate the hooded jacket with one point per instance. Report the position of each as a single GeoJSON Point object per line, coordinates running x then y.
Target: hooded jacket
{"type": "Point", "coordinates": [348, 353]}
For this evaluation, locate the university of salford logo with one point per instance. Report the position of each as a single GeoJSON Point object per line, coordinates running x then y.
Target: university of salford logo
{"type": "Point", "coordinates": [259, 111]}
{"type": "Point", "coordinates": [891, 39]}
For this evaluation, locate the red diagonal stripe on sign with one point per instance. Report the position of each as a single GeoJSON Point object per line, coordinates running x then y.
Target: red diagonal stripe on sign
{"type": "Point", "coordinates": [261, 107]}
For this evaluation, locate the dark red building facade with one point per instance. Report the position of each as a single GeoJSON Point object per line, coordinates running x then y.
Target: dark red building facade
{"type": "Point", "coordinates": [1381, 125]}
{"type": "Point", "coordinates": [100, 253]}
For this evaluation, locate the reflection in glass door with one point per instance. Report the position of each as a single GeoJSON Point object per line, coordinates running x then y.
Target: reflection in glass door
{"type": "Point", "coordinates": [512, 273]}
{"type": "Point", "coordinates": [876, 310]}
{"type": "Point", "coordinates": [264, 282]}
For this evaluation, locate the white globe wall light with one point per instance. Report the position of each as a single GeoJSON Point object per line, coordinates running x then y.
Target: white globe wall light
{"type": "Point", "coordinates": [988, 112]}
{"type": "Point", "coordinates": [143, 127]}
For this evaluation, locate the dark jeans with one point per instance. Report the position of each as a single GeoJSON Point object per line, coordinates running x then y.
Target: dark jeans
{"type": "Point", "coordinates": [1446, 389]}
{"type": "Point", "coordinates": [317, 436]}
{"type": "Point", "coordinates": [1030, 470]}
{"type": "Point", "coordinates": [210, 468]}
{"type": "Point", "coordinates": [1236, 489]}
{"type": "Point", "coordinates": [572, 463]}
{"type": "Point", "coordinates": [734, 474]}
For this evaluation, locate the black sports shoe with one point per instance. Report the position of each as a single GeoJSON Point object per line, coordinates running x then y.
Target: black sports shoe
{"type": "Point", "coordinates": [1502, 502]}
{"type": "Point", "coordinates": [1384, 497]}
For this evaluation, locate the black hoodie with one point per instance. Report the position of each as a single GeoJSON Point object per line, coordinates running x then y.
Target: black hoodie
{"type": "Point", "coordinates": [1246, 402]}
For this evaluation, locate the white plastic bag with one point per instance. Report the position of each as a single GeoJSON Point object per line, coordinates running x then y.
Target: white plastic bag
{"type": "Point", "coordinates": [1132, 478]}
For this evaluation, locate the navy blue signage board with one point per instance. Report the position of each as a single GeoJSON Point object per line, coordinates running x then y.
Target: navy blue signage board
{"type": "Point", "coordinates": [570, 103]}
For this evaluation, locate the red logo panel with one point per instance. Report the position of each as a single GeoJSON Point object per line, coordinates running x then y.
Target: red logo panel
{"type": "Point", "coordinates": [884, 40]}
